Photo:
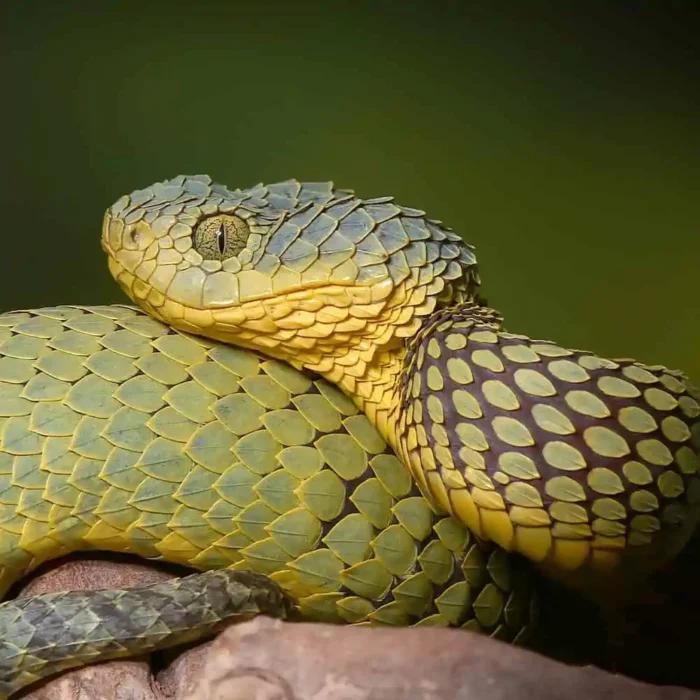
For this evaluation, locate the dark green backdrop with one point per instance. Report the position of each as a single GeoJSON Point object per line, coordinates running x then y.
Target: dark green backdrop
{"type": "Point", "coordinates": [559, 138]}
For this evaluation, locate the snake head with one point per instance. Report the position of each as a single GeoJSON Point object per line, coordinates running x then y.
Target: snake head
{"type": "Point", "coordinates": [287, 267]}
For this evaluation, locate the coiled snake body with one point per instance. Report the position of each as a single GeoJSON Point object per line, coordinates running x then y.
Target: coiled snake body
{"type": "Point", "coordinates": [394, 498]}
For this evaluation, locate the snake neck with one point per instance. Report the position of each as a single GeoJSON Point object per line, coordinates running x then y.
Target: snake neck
{"type": "Point", "coordinates": [380, 386]}
{"type": "Point", "coordinates": [358, 338]}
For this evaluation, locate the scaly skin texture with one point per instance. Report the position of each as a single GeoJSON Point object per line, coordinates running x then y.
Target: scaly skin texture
{"type": "Point", "coordinates": [44, 634]}
{"type": "Point", "coordinates": [119, 433]}
{"type": "Point", "coordinates": [587, 466]}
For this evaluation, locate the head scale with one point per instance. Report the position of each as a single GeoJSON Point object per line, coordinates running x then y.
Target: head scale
{"type": "Point", "coordinates": [285, 267]}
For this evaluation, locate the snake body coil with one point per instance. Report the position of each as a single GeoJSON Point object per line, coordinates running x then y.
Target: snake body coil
{"type": "Point", "coordinates": [395, 496]}
{"type": "Point", "coordinates": [585, 465]}
{"type": "Point", "coordinates": [118, 433]}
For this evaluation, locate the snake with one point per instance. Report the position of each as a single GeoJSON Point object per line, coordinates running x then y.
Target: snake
{"type": "Point", "coordinates": [311, 404]}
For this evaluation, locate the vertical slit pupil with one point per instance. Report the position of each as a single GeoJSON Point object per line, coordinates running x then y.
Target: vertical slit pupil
{"type": "Point", "coordinates": [221, 238]}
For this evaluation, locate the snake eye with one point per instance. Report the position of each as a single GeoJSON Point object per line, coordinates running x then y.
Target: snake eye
{"type": "Point", "coordinates": [220, 237]}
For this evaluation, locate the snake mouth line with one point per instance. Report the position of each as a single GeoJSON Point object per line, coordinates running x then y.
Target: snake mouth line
{"type": "Point", "coordinates": [312, 285]}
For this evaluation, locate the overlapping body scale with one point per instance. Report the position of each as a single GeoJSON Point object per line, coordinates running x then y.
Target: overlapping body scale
{"type": "Point", "coordinates": [119, 433]}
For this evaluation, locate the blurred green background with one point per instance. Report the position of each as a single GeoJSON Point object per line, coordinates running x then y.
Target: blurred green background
{"type": "Point", "coordinates": [559, 138]}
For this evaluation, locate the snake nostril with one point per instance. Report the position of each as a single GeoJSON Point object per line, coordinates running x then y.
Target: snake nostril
{"type": "Point", "coordinates": [133, 237]}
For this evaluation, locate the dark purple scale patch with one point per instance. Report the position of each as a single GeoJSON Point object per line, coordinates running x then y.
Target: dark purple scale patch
{"type": "Point", "coordinates": [439, 327]}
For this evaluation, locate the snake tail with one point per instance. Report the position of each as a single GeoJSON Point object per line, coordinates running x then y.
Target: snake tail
{"type": "Point", "coordinates": [111, 624]}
